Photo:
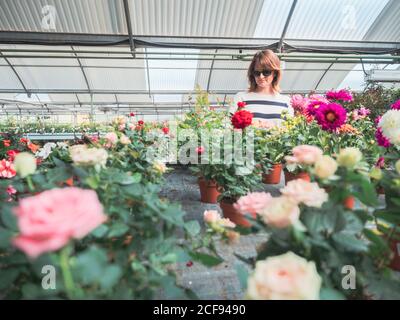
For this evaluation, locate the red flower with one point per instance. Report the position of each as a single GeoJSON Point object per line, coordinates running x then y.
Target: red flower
{"type": "Point", "coordinates": [11, 190]}
{"type": "Point", "coordinates": [23, 140]}
{"type": "Point", "coordinates": [131, 114]}
{"type": "Point", "coordinates": [39, 161]}
{"type": "Point", "coordinates": [140, 122]}
{"type": "Point", "coordinates": [7, 170]}
{"type": "Point", "coordinates": [33, 147]}
{"type": "Point", "coordinates": [242, 119]}
{"type": "Point", "coordinates": [380, 163]}
{"type": "Point", "coordinates": [165, 130]}
{"type": "Point", "coordinates": [11, 154]}
{"type": "Point", "coordinates": [7, 143]}
{"type": "Point", "coordinates": [189, 264]}
{"type": "Point", "coordinates": [241, 104]}
{"type": "Point", "coordinates": [200, 150]}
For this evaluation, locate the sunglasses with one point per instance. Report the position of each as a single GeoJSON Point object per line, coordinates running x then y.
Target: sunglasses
{"type": "Point", "coordinates": [265, 73]}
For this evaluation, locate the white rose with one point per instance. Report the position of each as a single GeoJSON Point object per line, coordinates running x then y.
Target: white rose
{"type": "Point", "coordinates": [308, 193]}
{"type": "Point", "coordinates": [325, 167]}
{"type": "Point", "coordinates": [284, 277]}
{"type": "Point", "coordinates": [280, 212]}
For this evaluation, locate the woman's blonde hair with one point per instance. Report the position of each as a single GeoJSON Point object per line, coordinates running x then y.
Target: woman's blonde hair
{"type": "Point", "coordinates": [270, 61]}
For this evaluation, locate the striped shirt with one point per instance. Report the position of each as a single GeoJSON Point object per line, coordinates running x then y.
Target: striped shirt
{"type": "Point", "coordinates": [265, 107]}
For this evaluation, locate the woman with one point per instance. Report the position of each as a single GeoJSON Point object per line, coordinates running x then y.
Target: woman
{"type": "Point", "coordinates": [263, 98]}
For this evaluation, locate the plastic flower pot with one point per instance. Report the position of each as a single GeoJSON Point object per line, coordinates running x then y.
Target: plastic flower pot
{"type": "Point", "coordinates": [208, 190]}
{"type": "Point", "coordinates": [348, 203]}
{"type": "Point", "coordinates": [232, 214]}
{"type": "Point", "coordinates": [274, 176]}
{"type": "Point", "coordinates": [293, 176]}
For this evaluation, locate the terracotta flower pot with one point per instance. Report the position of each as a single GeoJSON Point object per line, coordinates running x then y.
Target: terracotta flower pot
{"type": "Point", "coordinates": [232, 214]}
{"type": "Point", "coordinates": [293, 176]}
{"type": "Point", "coordinates": [395, 263]}
{"type": "Point", "coordinates": [348, 203]}
{"type": "Point", "coordinates": [274, 176]}
{"type": "Point", "coordinates": [208, 191]}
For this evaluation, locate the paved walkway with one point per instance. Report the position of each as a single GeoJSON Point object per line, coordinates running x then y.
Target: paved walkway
{"type": "Point", "coordinates": [219, 282]}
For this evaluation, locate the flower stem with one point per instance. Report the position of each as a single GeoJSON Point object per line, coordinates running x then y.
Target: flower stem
{"type": "Point", "coordinates": [30, 183]}
{"type": "Point", "coordinates": [66, 271]}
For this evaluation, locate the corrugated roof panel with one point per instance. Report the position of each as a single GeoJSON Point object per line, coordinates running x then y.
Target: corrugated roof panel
{"type": "Point", "coordinates": [333, 20]}
{"type": "Point", "coordinates": [387, 26]}
{"type": "Point", "coordinates": [75, 16]}
{"type": "Point", "coordinates": [226, 18]}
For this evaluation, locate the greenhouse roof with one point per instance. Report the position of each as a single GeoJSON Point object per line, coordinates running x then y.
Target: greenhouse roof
{"type": "Point", "coordinates": [63, 56]}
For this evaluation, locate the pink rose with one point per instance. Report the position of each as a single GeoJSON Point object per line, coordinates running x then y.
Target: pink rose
{"type": "Point", "coordinates": [304, 154]}
{"type": "Point", "coordinates": [253, 202]}
{"type": "Point", "coordinates": [211, 216]}
{"type": "Point", "coordinates": [111, 138]}
{"type": "Point", "coordinates": [50, 219]}
{"type": "Point", "coordinates": [308, 193]}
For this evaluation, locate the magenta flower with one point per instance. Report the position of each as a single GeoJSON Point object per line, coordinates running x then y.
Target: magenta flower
{"type": "Point", "coordinates": [381, 139]}
{"type": "Point", "coordinates": [313, 106]}
{"type": "Point", "coordinates": [331, 116]}
{"type": "Point", "coordinates": [380, 163]}
{"type": "Point", "coordinates": [396, 105]}
{"type": "Point", "coordinates": [341, 95]}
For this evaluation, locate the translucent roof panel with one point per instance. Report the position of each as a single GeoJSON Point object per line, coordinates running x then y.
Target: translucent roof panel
{"type": "Point", "coordinates": [49, 78]}
{"type": "Point", "coordinates": [226, 18]}
{"type": "Point", "coordinates": [272, 18]}
{"type": "Point", "coordinates": [74, 16]}
{"type": "Point", "coordinates": [8, 79]}
{"type": "Point", "coordinates": [333, 20]}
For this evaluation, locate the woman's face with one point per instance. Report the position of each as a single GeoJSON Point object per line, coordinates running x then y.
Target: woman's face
{"type": "Point", "coordinates": [262, 80]}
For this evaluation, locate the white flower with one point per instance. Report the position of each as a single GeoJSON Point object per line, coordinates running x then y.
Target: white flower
{"type": "Point", "coordinates": [284, 277]}
{"type": "Point", "coordinates": [46, 150]}
{"type": "Point", "coordinates": [280, 212]}
{"type": "Point", "coordinates": [82, 155]}
{"type": "Point", "coordinates": [25, 164]}
{"type": "Point", "coordinates": [349, 157]}
{"type": "Point", "coordinates": [309, 193]}
{"type": "Point", "coordinates": [325, 167]}
{"type": "Point", "coordinates": [390, 125]}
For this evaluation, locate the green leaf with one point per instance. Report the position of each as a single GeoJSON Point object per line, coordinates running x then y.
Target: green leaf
{"type": "Point", "coordinates": [92, 182]}
{"type": "Point", "coordinates": [110, 276]}
{"type": "Point", "coordinates": [350, 243]}
{"type": "Point", "coordinates": [331, 294]}
{"type": "Point", "coordinates": [5, 237]}
{"type": "Point", "coordinates": [7, 277]}
{"type": "Point", "coordinates": [8, 218]}
{"type": "Point", "coordinates": [192, 227]}
{"type": "Point", "coordinates": [100, 231]}
{"type": "Point", "coordinates": [242, 274]}
{"type": "Point", "coordinates": [206, 259]}
{"type": "Point", "coordinates": [117, 230]}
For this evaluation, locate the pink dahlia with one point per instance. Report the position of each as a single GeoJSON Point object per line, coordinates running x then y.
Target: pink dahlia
{"type": "Point", "coordinates": [331, 116]}
{"type": "Point", "coordinates": [50, 219]}
{"type": "Point", "coordinates": [396, 105]}
{"type": "Point", "coordinates": [341, 95]}
{"type": "Point", "coordinates": [253, 203]}
{"type": "Point", "coordinates": [299, 103]}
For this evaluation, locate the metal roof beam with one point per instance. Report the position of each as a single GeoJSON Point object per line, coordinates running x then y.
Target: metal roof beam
{"type": "Point", "coordinates": [286, 26]}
